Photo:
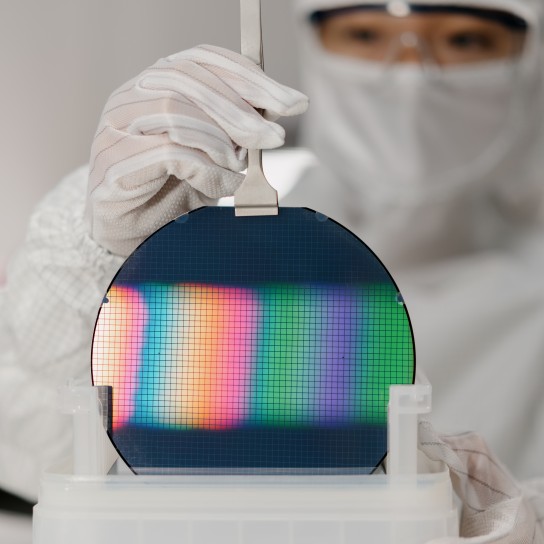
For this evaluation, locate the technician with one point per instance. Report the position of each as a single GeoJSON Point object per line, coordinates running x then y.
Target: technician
{"type": "Point", "coordinates": [427, 123]}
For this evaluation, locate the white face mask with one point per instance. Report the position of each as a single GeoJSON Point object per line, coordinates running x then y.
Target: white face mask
{"type": "Point", "coordinates": [398, 132]}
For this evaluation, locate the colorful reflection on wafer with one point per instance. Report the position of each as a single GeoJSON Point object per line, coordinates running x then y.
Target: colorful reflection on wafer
{"type": "Point", "coordinates": [212, 357]}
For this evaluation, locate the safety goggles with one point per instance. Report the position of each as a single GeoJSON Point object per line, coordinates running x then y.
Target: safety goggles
{"type": "Point", "coordinates": [401, 32]}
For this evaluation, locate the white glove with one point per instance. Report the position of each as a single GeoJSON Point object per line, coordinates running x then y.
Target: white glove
{"type": "Point", "coordinates": [175, 137]}
{"type": "Point", "coordinates": [495, 508]}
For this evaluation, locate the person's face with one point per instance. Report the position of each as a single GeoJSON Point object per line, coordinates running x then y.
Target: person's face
{"type": "Point", "coordinates": [444, 38]}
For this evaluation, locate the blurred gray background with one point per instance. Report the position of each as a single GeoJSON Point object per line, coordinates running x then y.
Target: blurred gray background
{"type": "Point", "coordinates": [60, 59]}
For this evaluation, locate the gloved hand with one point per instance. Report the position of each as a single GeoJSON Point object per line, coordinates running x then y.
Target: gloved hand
{"type": "Point", "coordinates": [495, 508]}
{"type": "Point", "coordinates": [175, 137]}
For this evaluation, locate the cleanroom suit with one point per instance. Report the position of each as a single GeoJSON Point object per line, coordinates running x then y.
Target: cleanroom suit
{"type": "Point", "coordinates": [454, 213]}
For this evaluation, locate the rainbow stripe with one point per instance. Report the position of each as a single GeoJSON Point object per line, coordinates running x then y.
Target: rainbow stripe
{"type": "Point", "coordinates": [211, 357]}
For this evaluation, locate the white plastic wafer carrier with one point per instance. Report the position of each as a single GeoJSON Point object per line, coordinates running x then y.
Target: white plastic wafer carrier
{"type": "Point", "coordinates": [94, 499]}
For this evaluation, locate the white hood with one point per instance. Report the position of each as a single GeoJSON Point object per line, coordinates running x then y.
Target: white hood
{"type": "Point", "coordinates": [407, 222]}
{"type": "Point", "coordinates": [528, 9]}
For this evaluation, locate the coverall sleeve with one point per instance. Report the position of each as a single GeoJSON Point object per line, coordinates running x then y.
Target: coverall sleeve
{"type": "Point", "coordinates": [48, 307]}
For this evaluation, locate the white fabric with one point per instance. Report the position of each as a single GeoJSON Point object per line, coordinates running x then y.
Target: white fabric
{"type": "Point", "coordinates": [400, 134]}
{"type": "Point", "coordinates": [478, 317]}
{"type": "Point", "coordinates": [48, 307]}
{"type": "Point", "coordinates": [525, 8]}
{"type": "Point", "coordinates": [495, 508]}
{"type": "Point", "coordinates": [468, 259]}
{"type": "Point", "coordinates": [472, 284]}
{"type": "Point", "coordinates": [175, 137]}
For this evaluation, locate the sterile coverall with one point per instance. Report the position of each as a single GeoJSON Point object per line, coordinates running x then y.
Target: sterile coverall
{"type": "Point", "coordinates": [443, 177]}
{"type": "Point", "coordinates": [463, 247]}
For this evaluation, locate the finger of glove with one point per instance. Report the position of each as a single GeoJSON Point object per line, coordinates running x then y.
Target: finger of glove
{"type": "Point", "coordinates": [244, 125]}
{"type": "Point", "coordinates": [119, 157]}
{"type": "Point", "coordinates": [194, 133]}
{"type": "Point", "coordinates": [185, 123]}
{"type": "Point", "coordinates": [247, 79]}
{"type": "Point", "coordinates": [131, 206]}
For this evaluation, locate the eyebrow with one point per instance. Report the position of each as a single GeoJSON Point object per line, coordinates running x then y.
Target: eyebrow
{"type": "Point", "coordinates": [509, 20]}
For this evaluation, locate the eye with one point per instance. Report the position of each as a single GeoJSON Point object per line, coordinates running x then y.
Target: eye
{"type": "Point", "coordinates": [471, 41]}
{"type": "Point", "coordinates": [364, 35]}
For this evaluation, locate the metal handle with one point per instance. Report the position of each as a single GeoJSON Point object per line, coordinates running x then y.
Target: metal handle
{"type": "Point", "coordinates": [255, 196]}
{"type": "Point", "coordinates": [252, 31]}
